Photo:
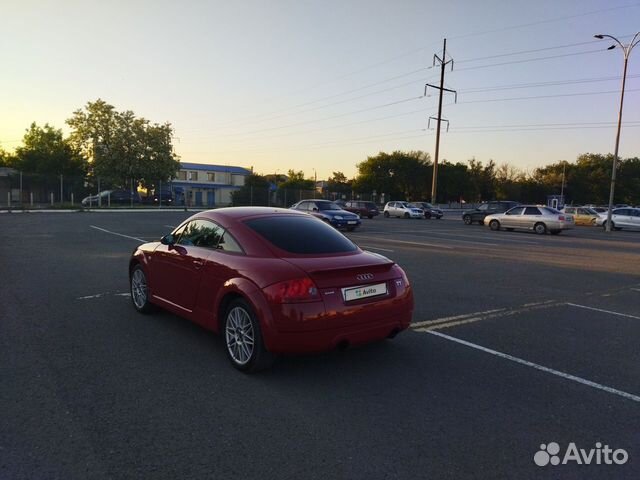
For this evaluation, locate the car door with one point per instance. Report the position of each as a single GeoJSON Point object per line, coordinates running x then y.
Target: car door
{"type": "Point", "coordinates": [511, 218]}
{"type": "Point", "coordinates": [178, 268]}
{"type": "Point", "coordinates": [480, 212]}
{"type": "Point", "coordinates": [635, 218]}
{"type": "Point", "coordinates": [529, 218]}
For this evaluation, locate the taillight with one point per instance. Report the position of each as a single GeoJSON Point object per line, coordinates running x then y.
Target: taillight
{"type": "Point", "coordinates": [561, 218]}
{"type": "Point", "coordinates": [293, 291]}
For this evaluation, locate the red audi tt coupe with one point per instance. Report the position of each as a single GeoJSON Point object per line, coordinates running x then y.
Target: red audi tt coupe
{"type": "Point", "coordinates": [271, 281]}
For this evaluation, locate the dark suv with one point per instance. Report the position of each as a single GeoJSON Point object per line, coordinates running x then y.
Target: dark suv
{"type": "Point", "coordinates": [362, 209]}
{"type": "Point", "coordinates": [489, 208]}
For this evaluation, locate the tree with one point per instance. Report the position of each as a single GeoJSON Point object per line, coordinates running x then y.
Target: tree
{"type": "Point", "coordinates": [123, 147]}
{"type": "Point", "coordinates": [338, 184]}
{"type": "Point", "coordinates": [398, 175]}
{"type": "Point", "coordinates": [45, 151]}
{"type": "Point", "coordinates": [5, 158]}
{"type": "Point", "coordinates": [255, 191]}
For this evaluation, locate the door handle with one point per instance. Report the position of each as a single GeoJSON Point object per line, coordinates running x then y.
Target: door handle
{"type": "Point", "coordinates": [198, 263]}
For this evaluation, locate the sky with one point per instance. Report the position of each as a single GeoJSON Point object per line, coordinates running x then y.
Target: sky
{"type": "Point", "coordinates": [319, 86]}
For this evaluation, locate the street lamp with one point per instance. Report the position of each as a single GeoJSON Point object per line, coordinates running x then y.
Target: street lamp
{"type": "Point", "coordinates": [626, 51]}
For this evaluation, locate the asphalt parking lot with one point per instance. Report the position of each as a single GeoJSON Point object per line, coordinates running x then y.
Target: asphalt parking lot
{"type": "Point", "coordinates": [518, 340]}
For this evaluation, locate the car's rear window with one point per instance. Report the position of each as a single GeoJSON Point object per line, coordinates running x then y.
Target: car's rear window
{"type": "Point", "coordinates": [301, 235]}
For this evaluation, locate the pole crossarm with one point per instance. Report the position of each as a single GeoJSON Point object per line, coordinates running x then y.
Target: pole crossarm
{"type": "Point", "coordinates": [437, 119]}
{"type": "Point", "coordinates": [455, 92]}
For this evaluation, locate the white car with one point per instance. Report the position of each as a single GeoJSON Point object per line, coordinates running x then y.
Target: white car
{"type": "Point", "coordinates": [539, 218]}
{"type": "Point", "coordinates": [621, 218]}
{"type": "Point", "coordinates": [403, 210]}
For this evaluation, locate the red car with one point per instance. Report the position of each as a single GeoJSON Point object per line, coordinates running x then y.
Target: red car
{"type": "Point", "coordinates": [272, 281]}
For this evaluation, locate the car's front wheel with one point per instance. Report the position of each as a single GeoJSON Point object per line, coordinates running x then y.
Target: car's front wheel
{"type": "Point", "coordinates": [140, 290]}
{"type": "Point", "coordinates": [494, 225]}
{"type": "Point", "coordinates": [406, 215]}
{"type": "Point", "coordinates": [467, 219]}
{"type": "Point", "coordinates": [386, 214]}
{"type": "Point", "coordinates": [243, 339]}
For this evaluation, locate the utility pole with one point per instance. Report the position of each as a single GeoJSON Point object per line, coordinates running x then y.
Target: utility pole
{"type": "Point", "coordinates": [443, 64]}
{"type": "Point", "coordinates": [626, 51]}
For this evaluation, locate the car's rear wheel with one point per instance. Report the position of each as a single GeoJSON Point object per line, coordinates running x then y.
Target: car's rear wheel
{"type": "Point", "coordinates": [540, 228]}
{"type": "Point", "coordinates": [494, 225]}
{"type": "Point", "coordinates": [427, 216]}
{"type": "Point", "coordinates": [467, 219]}
{"type": "Point", "coordinates": [386, 214]}
{"type": "Point", "coordinates": [243, 339]}
{"type": "Point", "coordinates": [140, 290]}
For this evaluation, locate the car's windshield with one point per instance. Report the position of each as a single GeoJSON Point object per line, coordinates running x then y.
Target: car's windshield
{"type": "Point", "coordinates": [328, 206]}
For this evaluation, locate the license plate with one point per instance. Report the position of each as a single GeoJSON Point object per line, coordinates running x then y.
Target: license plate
{"type": "Point", "coordinates": [351, 222]}
{"type": "Point", "coordinates": [356, 293]}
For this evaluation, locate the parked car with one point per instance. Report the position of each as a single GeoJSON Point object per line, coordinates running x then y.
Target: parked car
{"type": "Point", "coordinates": [112, 197]}
{"type": "Point", "coordinates": [582, 215]}
{"type": "Point", "coordinates": [488, 208]}
{"type": "Point", "coordinates": [166, 197]}
{"type": "Point", "coordinates": [621, 218]}
{"type": "Point", "coordinates": [600, 210]}
{"type": "Point", "coordinates": [402, 210]}
{"type": "Point", "coordinates": [271, 281]}
{"type": "Point", "coordinates": [538, 218]}
{"type": "Point", "coordinates": [329, 212]}
{"type": "Point", "coordinates": [429, 210]}
{"type": "Point", "coordinates": [362, 209]}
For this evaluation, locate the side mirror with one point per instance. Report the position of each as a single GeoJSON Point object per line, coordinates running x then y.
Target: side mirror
{"type": "Point", "coordinates": [168, 240]}
{"type": "Point", "coordinates": [315, 209]}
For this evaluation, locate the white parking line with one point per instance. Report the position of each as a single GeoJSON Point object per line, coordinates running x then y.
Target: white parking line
{"type": "Point", "coordinates": [604, 311]}
{"type": "Point", "coordinates": [439, 324]}
{"type": "Point", "coordinates": [118, 234]}
{"type": "Point", "coordinates": [403, 242]}
{"type": "Point", "coordinates": [567, 376]}
{"type": "Point", "coordinates": [377, 248]}
{"type": "Point", "coordinates": [169, 226]}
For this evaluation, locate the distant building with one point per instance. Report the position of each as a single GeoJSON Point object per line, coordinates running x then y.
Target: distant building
{"type": "Point", "coordinates": [203, 185]}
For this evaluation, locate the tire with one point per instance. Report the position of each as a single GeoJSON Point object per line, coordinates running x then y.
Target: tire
{"type": "Point", "coordinates": [386, 214]}
{"type": "Point", "coordinates": [555, 232]}
{"type": "Point", "coordinates": [369, 217]}
{"type": "Point", "coordinates": [494, 225]}
{"type": "Point", "coordinates": [139, 290]}
{"type": "Point", "coordinates": [243, 339]}
{"type": "Point", "coordinates": [406, 215]}
{"type": "Point", "coordinates": [427, 216]}
{"type": "Point", "coordinates": [467, 219]}
{"type": "Point", "coordinates": [540, 228]}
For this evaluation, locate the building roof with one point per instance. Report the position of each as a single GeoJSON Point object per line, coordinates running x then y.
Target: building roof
{"type": "Point", "coordinates": [182, 183]}
{"type": "Point", "coordinates": [215, 168]}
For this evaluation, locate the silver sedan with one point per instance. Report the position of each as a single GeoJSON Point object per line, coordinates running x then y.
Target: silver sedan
{"type": "Point", "coordinates": [538, 218]}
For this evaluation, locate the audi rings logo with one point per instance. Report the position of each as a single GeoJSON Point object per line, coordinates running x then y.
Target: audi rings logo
{"type": "Point", "coordinates": [364, 276]}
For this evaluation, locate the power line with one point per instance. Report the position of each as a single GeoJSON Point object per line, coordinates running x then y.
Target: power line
{"type": "Point", "coordinates": [547, 96]}
{"type": "Point", "coordinates": [546, 84]}
{"type": "Point", "coordinates": [541, 22]}
{"type": "Point", "coordinates": [550, 57]}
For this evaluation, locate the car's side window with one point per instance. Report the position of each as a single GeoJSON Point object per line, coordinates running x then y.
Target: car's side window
{"type": "Point", "coordinates": [570, 210]}
{"type": "Point", "coordinates": [582, 211]}
{"type": "Point", "coordinates": [188, 234]}
{"type": "Point", "coordinates": [515, 211]}
{"type": "Point", "coordinates": [484, 206]}
{"type": "Point", "coordinates": [229, 244]}
{"type": "Point", "coordinates": [201, 233]}
{"type": "Point", "coordinates": [531, 211]}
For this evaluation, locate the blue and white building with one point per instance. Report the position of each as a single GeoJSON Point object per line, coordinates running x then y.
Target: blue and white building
{"type": "Point", "coordinates": [202, 185]}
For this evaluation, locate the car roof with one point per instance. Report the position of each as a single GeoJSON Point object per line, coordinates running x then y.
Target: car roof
{"type": "Point", "coordinates": [238, 213]}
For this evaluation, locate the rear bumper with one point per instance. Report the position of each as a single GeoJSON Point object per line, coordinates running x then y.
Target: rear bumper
{"type": "Point", "coordinates": [322, 340]}
{"type": "Point", "coordinates": [345, 223]}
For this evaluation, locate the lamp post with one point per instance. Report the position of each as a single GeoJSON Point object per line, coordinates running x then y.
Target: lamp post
{"type": "Point", "coordinates": [626, 51]}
